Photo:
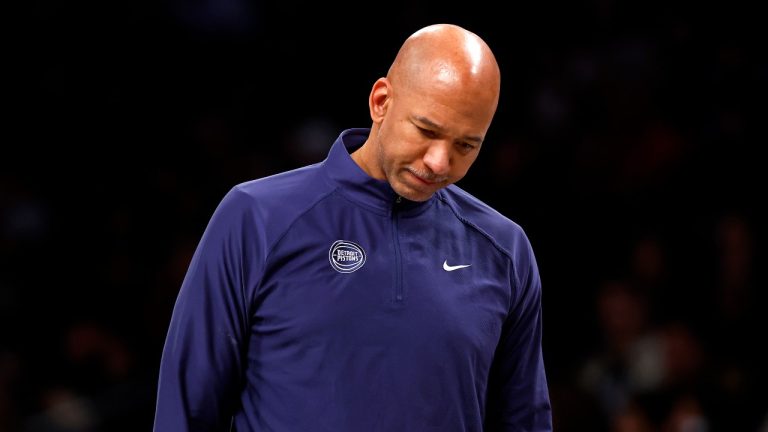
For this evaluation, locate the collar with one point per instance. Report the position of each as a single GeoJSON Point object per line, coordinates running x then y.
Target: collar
{"type": "Point", "coordinates": [357, 185]}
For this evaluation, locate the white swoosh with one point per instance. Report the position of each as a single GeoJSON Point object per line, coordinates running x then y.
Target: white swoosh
{"type": "Point", "coordinates": [447, 267]}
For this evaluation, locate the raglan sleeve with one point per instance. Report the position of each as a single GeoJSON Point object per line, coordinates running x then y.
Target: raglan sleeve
{"type": "Point", "coordinates": [201, 368]}
{"type": "Point", "coordinates": [518, 395]}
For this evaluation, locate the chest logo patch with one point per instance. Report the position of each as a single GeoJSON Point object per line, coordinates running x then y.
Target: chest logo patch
{"type": "Point", "coordinates": [346, 256]}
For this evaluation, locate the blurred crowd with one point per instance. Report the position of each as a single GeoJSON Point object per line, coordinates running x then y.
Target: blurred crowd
{"type": "Point", "coordinates": [625, 146]}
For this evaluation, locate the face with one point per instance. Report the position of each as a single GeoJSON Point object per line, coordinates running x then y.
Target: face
{"type": "Point", "coordinates": [426, 139]}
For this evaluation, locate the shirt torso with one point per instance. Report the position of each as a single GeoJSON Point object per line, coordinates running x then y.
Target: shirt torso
{"type": "Point", "coordinates": [370, 312]}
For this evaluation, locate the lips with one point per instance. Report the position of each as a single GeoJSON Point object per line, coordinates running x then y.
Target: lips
{"type": "Point", "coordinates": [429, 181]}
{"type": "Point", "coordinates": [422, 180]}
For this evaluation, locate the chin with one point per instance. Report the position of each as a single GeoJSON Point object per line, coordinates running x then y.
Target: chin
{"type": "Point", "coordinates": [409, 191]}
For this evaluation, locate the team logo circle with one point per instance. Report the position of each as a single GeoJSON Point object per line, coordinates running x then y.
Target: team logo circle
{"type": "Point", "coordinates": [346, 256]}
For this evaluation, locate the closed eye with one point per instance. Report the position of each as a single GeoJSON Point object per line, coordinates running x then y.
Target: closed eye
{"type": "Point", "coordinates": [465, 147]}
{"type": "Point", "coordinates": [427, 133]}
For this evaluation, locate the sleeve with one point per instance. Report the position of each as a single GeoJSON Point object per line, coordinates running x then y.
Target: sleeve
{"type": "Point", "coordinates": [518, 396]}
{"type": "Point", "coordinates": [201, 369]}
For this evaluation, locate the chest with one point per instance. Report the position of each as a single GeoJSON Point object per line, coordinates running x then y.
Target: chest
{"type": "Point", "coordinates": [365, 278]}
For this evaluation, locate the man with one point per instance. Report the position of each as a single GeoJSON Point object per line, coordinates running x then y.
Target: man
{"type": "Point", "coordinates": [367, 293]}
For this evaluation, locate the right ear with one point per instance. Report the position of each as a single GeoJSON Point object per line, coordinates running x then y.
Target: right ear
{"type": "Point", "coordinates": [378, 101]}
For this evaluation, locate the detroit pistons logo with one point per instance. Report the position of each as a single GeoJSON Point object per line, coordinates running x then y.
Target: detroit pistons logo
{"type": "Point", "coordinates": [346, 256]}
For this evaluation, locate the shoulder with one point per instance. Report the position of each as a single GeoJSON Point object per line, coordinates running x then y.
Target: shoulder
{"type": "Point", "coordinates": [277, 185]}
{"type": "Point", "coordinates": [285, 192]}
{"type": "Point", "coordinates": [269, 205]}
{"type": "Point", "coordinates": [504, 233]}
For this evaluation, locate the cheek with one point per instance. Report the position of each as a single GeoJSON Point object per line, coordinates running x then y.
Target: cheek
{"type": "Point", "coordinates": [461, 166]}
{"type": "Point", "coordinates": [400, 143]}
{"type": "Point", "coordinates": [386, 154]}
{"type": "Point", "coordinates": [391, 148]}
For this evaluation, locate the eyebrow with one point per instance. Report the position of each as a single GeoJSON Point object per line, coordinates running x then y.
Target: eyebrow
{"type": "Point", "coordinates": [439, 128]}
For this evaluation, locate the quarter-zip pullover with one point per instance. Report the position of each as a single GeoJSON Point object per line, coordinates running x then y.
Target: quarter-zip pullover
{"type": "Point", "coordinates": [319, 300]}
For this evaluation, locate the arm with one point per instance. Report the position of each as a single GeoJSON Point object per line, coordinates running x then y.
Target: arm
{"type": "Point", "coordinates": [201, 370]}
{"type": "Point", "coordinates": [518, 397]}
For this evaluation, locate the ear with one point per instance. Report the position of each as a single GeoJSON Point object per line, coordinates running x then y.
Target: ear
{"type": "Point", "coordinates": [378, 101]}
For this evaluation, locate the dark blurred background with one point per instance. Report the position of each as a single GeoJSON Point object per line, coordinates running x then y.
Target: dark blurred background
{"type": "Point", "coordinates": [626, 145]}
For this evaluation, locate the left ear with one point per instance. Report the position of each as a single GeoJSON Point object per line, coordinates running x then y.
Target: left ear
{"type": "Point", "coordinates": [378, 101]}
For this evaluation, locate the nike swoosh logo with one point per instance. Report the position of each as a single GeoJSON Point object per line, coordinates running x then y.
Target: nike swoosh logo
{"type": "Point", "coordinates": [447, 267]}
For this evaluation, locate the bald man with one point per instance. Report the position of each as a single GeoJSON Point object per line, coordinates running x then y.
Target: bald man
{"type": "Point", "coordinates": [367, 292]}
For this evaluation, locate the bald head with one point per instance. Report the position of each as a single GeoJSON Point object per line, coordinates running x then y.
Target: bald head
{"type": "Point", "coordinates": [431, 113]}
{"type": "Point", "coordinates": [449, 57]}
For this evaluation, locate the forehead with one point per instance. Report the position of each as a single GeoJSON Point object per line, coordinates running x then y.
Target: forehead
{"type": "Point", "coordinates": [465, 112]}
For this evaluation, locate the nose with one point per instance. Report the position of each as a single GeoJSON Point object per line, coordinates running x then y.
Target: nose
{"type": "Point", "coordinates": [437, 158]}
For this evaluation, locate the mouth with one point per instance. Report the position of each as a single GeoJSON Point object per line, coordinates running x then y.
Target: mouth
{"type": "Point", "coordinates": [422, 180]}
{"type": "Point", "coordinates": [426, 181]}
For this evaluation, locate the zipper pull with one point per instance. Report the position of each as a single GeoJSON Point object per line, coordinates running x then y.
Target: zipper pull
{"type": "Point", "coordinates": [398, 199]}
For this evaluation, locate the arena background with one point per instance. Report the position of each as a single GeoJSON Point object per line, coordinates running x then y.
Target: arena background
{"type": "Point", "coordinates": [626, 144]}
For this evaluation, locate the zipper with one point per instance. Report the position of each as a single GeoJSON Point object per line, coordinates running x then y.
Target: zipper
{"type": "Point", "coordinates": [396, 243]}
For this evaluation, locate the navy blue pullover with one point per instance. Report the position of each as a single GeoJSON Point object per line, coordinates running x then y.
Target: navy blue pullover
{"type": "Point", "coordinates": [318, 300]}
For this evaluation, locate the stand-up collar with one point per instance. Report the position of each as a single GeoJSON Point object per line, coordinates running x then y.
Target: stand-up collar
{"type": "Point", "coordinates": [356, 183]}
